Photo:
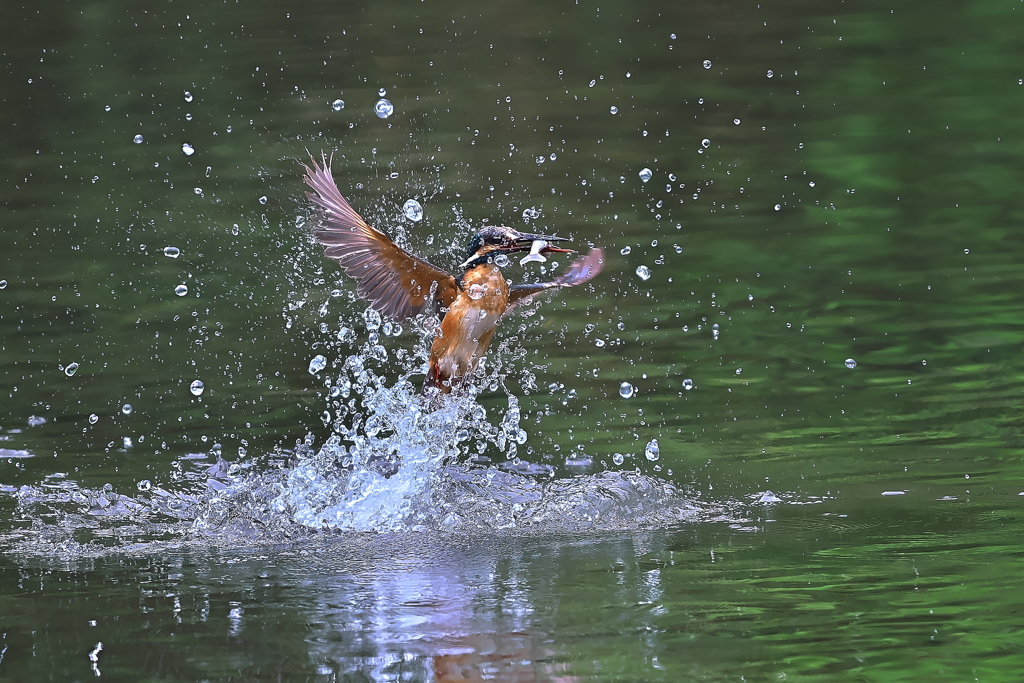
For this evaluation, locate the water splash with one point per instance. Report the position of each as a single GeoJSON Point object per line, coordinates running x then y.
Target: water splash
{"type": "Point", "coordinates": [379, 473]}
{"type": "Point", "coordinates": [396, 462]}
{"type": "Point", "coordinates": [391, 446]}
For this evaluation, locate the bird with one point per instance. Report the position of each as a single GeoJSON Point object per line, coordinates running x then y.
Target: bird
{"type": "Point", "coordinates": [400, 285]}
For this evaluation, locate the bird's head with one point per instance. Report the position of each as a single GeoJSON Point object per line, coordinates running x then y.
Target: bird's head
{"type": "Point", "coordinates": [493, 240]}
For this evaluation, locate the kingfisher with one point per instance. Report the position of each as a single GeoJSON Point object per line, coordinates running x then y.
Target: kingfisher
{"type": "Point", "coordinates": [401, 285]}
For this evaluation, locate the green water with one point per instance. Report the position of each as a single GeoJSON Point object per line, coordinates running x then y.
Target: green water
{"type": "Point", "coordinates": [828, 182]}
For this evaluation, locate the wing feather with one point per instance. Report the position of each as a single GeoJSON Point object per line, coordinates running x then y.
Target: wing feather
{"type": "Point", "coordinates": [579, 271]}
{"type": "Point", "coordinates": [395, 282]}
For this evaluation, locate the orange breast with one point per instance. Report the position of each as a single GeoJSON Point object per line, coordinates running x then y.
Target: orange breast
{"type": "Point", "coordinates": [468, 327]}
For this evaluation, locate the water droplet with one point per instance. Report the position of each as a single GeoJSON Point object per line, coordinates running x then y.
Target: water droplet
{"type": "Point", "coordinates": [126, 442]}
{"type": "Point", "coordinates": [172, 252]}
{"type": "Point", "coordinates": [736, 122]}
{"type": "Point", "coordinates": [126, 409]}
{"type": "Point", "coordinates": [707, 63]}
{"type": "Point", "coordinates": [850, 363]}
{"type": "Point", "coordinates": [643, 272]}
{"type": "Point", "coordinates": [188, 96]}
{"type": "Point", "coordinates": [372, 319]}
{"type": "Point", "coordinates": [739, 371]}
{"type": "Point", "coordinates": [71, 369]}
{"type": "Point", "coordinates": [137, 139]}
{"type": "Point", "coordinates": [599, 343]}
{"type": "Point", "coordinates": [187, 149]}
{"type": "Point", "coordinates": [614, 110]}
{"type": "Point", "coordinates": [413, 210]}
{"type": "Point", "coordinates": [593, 83]}
{"type": "Point", "coordinates": [626, 390]}
{"type": "Point", "coordinates": [618, 458]}
{"type": "Point", "coordinates": [645, 174]}
{"type": "Point", "coordinates": [181, 290]}
{"type": "Point", "coordinates": [653, 452]}
{"type": "Point", "coordinates": [106, 108]}
{"type": "Point", "coordinates": [338, 105]}
{"type": "Point", "coordinates": [197, 387]}
{"type": "Point", "coordinates": [625, 250]}
{"type": "Point", "coordinates": [967, 251]}
{"type": "Point", "coordinates": [144, 485]}
{"type": "Point", "coordinates": [263, 200]}
{"type": "Point", "coordinates": [687, 384]}
{"type": "Point", "coordinates": [317, 364]}
{"type": "Point", "coordinates": [770, 73]}
{"type": "Point", "coordinates": [778, 207]}
{"type": "Point", "coordinates": [705, 143]}
{"type": "Point", "coordinates": [3, 284]}
{"type": "Point", "coordinates": [94, 418]}
{"type": "Point", "coordinates": [382, 92]}
{"type": "Point", "coordinates": [476, 291]}
{"type": "Point", "coordinates": [383, 108]}
{"type": "Point", "coordinates": [501, 260]}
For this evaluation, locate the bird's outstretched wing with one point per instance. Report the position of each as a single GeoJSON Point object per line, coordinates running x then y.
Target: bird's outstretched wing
{"type": "Point", "coordinates": [396, 283]}
{"type": "Point", "coordinates": [579, 271]}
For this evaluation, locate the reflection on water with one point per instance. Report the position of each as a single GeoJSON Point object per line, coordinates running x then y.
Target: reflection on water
{"type": "Point", "coordinates": [407, 607]}
{"type": "Point", "coordinates": [462, 614]}
{"type": "Point", "coordinates": [831, 592]}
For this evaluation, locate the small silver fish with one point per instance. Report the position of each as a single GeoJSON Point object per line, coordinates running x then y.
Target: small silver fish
{"type": "Point", "coordinates": [535, 254]}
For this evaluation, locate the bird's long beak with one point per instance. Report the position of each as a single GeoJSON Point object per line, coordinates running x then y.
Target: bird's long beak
{"type": "Point", "coordinates": [525, 240]}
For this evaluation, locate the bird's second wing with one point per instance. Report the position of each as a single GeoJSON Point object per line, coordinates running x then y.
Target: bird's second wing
{"type": "Point", "coordinates": [579, 271]}
{"type": "Point", "coordinates": [395, 282]}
